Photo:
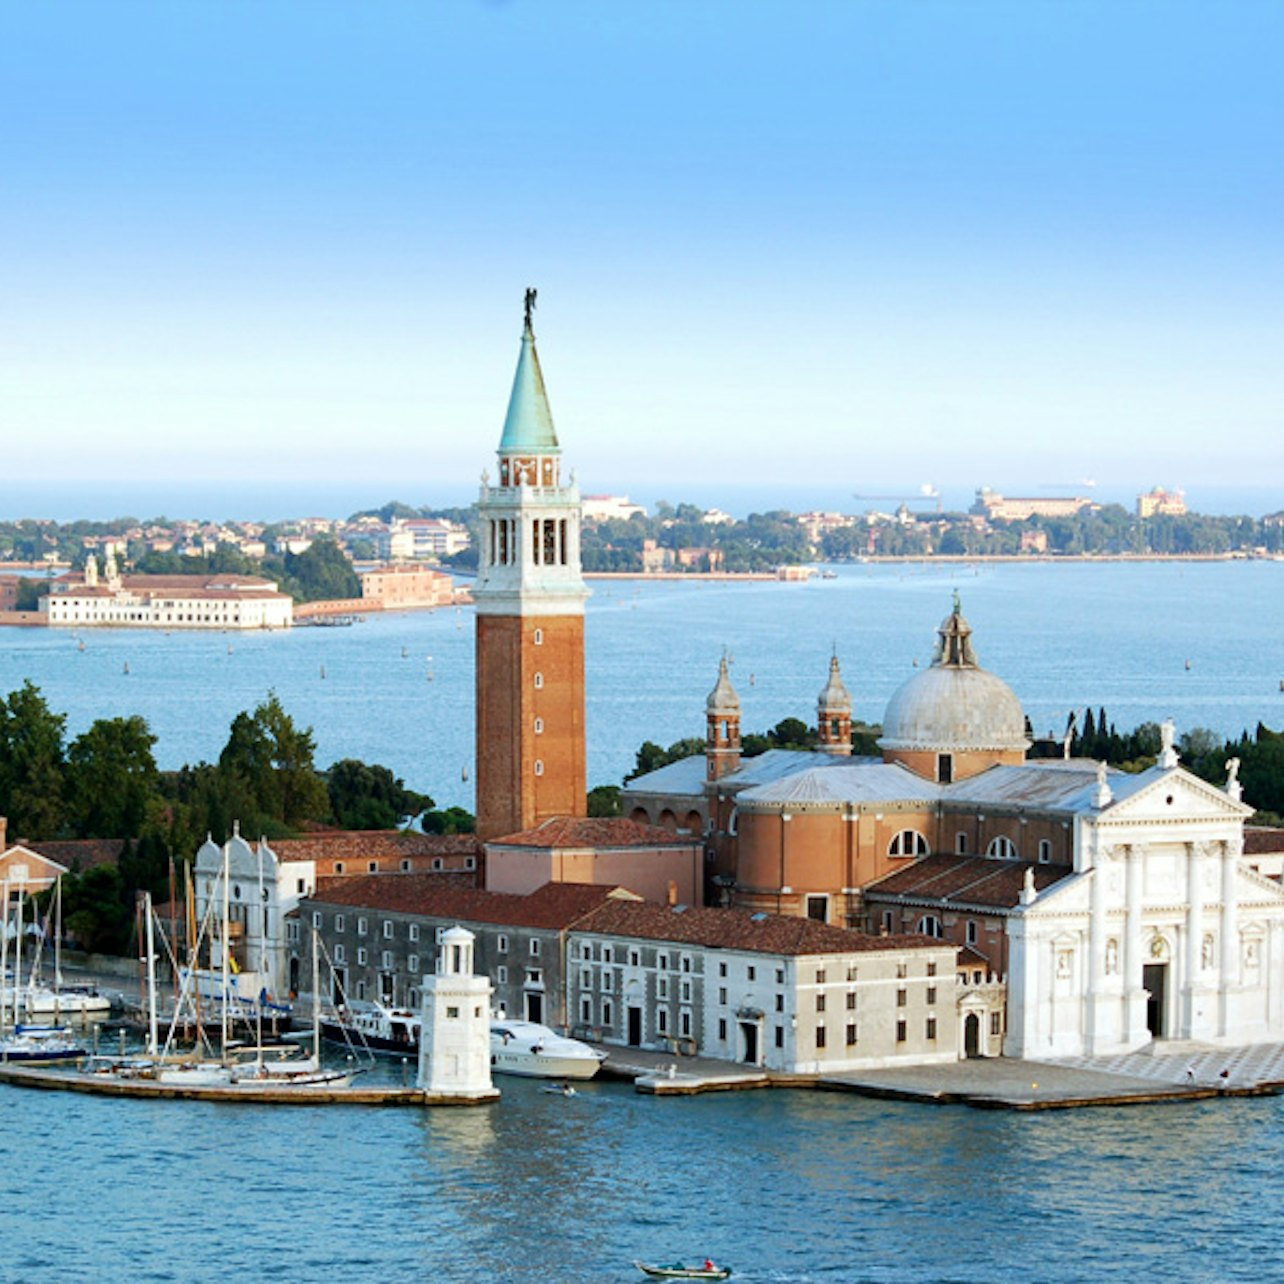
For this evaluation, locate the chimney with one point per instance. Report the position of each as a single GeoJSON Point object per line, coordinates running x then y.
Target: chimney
{"type": "Point", "coordinates": [673, 892]}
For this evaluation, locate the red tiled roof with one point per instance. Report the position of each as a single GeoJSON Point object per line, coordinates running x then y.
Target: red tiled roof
{"type": "Point", "coordinates": [1260, 841]}
{"type": "Point", "coordinates": [739, 930]}
{"type": "Point", "coordinates": [594, 831]}
{"type": "Point", "coordinates": [327, 883]}
{"type": "Point", "coordinates": [79, 853]}
{"type": "Point", "coordinates": [555, 905]}
{"type": "Point", "coordinates": [359, 844]}
{"type": "Point", "coordinates": [965, 880]}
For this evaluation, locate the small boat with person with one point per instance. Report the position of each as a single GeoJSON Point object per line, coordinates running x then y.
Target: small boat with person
{"type": "Point", "coordinates": [680, 1271]}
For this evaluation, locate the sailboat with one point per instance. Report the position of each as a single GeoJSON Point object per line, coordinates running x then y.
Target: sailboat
{"type": "Point", "coordinates": [60, 1000]}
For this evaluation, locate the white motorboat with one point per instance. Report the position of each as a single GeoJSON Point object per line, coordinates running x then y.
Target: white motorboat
{"type": "Point", "coordinates": [372, 1027]}
{"type": "Point", "coordinates": [525, 1048]}
{"type": "Point", "coordinates": [69, 1001]}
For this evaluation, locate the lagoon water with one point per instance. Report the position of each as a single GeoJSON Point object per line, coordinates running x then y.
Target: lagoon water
{"type": "Point", "coordinates": [399, 689]}
{"type": "Point", "coordinates": [789, 1187]}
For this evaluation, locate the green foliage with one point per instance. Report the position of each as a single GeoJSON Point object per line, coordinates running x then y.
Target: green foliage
{"type": "Point", "coordinates": [321, 573]}
{"type": "Point", "coordinates": [30, 591]}
{"type": "Point", "coordinates": [451, 820]}
{"type": "Point", "coordinates": [604, 800]}
{"type": "Point", "coordinates": [112, 782]}
{"type": "Point", "coordinates": [368, 796]}
{"type": "Point", "coordinates": [32, 764]}
{"type": "Point", "coordinates": [650, 757]}
{"type": "Point", "coordinates": [93, 909]}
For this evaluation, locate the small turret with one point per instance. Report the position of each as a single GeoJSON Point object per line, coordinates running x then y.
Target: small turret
{"type": "Point", "coordinates": [834, 713]}
{"type": "Point", "coordinates": [722, 726]}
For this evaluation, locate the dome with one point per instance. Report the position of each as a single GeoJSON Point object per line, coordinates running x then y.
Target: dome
{"type": "Point", "coordinates": [723, 698]}
{"type": "Point", "coordinates": [955, 705]}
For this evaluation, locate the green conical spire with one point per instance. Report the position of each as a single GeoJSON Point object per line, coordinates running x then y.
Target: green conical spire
{"type": "Point", "coordinates": [529, 424]}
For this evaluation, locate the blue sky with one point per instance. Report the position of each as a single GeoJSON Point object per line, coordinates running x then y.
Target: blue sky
{"type": "Point", "coordinates": [825, 247]}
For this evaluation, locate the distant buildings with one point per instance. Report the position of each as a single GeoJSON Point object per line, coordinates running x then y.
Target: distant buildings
{"type": "Point", "coordinates": [610, 508]}
{"type": "Point", "coordinates": [1161, 503]}
{"type": "Point", "coordinates": [406, 587]}
{"type": "Point", "coordinates": [422, 539]}
{"type": "Point", "coordinates": [998, 508]}
{"type": "Point", "coordinates": [80, 600]}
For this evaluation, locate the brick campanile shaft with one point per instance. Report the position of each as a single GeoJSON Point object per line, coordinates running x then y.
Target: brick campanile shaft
{"type": "Point", "coordinates": [530, 621]}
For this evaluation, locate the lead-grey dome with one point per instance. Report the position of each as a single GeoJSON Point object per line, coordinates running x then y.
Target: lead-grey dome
{"type": "Point", "coordinates": [955, 705]}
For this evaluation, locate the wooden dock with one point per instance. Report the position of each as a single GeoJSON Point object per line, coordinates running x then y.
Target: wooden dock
{"type": "Point", "coordinates": [252, 1093]}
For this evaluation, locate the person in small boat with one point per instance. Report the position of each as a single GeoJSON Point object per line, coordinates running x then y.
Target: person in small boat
{"type": "Point", "coordinates": [708, 1264]}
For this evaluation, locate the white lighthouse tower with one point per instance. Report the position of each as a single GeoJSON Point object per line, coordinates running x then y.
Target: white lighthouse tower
{"type": "Point", "coordinates": [454, 1043]}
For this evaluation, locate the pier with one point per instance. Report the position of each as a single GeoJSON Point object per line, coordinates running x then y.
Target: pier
{"type": "Point", "coordinates": [255, 1093]}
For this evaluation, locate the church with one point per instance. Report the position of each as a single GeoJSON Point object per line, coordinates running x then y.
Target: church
{"type": "Point", "coordinates": [1094, 910]}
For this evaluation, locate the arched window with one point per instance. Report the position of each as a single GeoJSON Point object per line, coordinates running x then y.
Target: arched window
{"type": "Point", "coordinates": [929, 925]}
{"type": "Point", "coordinates": [909, 842]}
{"type": "Point", "coordinates": [1002, 848]}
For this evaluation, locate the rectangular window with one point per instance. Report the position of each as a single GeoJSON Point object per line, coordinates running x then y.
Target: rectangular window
{"type": "Point", "coordinates": [1045, 851]}
{"type": "Point", "coordinates": [686, 962]}
{"type": "Point", "coordinates": [661, 987]}
{"type": "Point", "coordinates": [722, 995]}
{"type": "Point", "coordinates": [971, 931]}
{"type": "Point", "coordinates": [820, 976]}
{"type": "Point", "coordinates": [361, 955]}
{"type": "Point", "coordinates": [780, 976]}
{"type": "Point", "coordinates": [586, 1010]}
{"type": "Point", "coordinates": [662, 961]}
{"type": "Point", "coordinates": [722, 969]}
{"type": "Point", "coordinates": [820, 1003]}
{"type": "Point", "coordinates": [586, 978]}
{"type": "Point", "coordinates": [820, 1036]}
{"type": "Point", "coordinates": [851, 973]}
{"type": "Point", "coordinates": [662, 1020]}
{"type": "Point", "coordinates": [387, 960]}
{"type": "Point", "coordinates": [931, 995]}
{"type": "Point", "coordinates": [960, 844]}
{"type": "Point", "coordinates": [996, 1023]}
{"type": "Point", "coordinates": [722, 1029]}
{"type": "Point", "coordinates": [931, 1027]}
{"type": "Point", "coordinates": [931, 970]}
{"type": "Point", "coordinates": [387, 929]}
{"type": "Point", "coordinates": [502, 944]}
{"type": "Point", "coordinates": [902, 997]}
{"type": "Point", "coordinates": [635, 958]}
{"type": "Point", "coordinates": [851, 1000]}
{"type": "Point", "coordinates": [535, 947]}
{"type": "Point", "coordinates": [413, 962]}
{"type": "Point", "coordinates": [818, 908]}
{"type": "Point", "coordinates": [685, 992]}
{"type": "Point", "coordinates": [780, 1036]}
{"type": "Point", "coordinates": [452, 1014]}
{"type": "Point", "coordinates": [684, 1023]}
{"type": "Point", "coordinates": [851, 1034]}
{"type": "Point", "coordinates": [501, 975]}
{"type": "Point", "coordinates": [752, 972]}
{"type": "Point", "coordinates": [900, 1032]}
{"type": "Point", "coordinates": [340, 923]}
{"type": "Point", "coordinates": [606, 980]}
{"type": "Point", "coordinates": [534, 976]}
{"type": "Point", "coordinates": [902, 970]}
{"type": "Point", "coordinates": [889, 921]}
{"type": "Point", "coordinates": [414, 931]}
{"type": "Point", "coordinates": [363, 926]}
{"type": "Point", "coordinates": [340, 955]}
{"type": "Point", "coordinates": [780, 1002]}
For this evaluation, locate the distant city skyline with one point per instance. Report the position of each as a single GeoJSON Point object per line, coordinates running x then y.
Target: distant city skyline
{"type": "Point", "coordinates": [825, 249]}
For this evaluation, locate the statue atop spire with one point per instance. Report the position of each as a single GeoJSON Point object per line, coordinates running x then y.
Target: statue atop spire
{"type": "Point", "coordinates": [531, 293]}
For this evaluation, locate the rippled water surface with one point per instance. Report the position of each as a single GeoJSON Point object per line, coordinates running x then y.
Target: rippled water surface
{"type": "Point", "coordinates": [1062, 635]}
{"type": "Point", "coordinates": [784, 1186]}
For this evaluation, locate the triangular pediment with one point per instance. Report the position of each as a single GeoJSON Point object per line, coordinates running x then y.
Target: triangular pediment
{"type": "Point", "coordinates": [21, 864]}
{"type": "Point", "coordinates": [1174, 796]}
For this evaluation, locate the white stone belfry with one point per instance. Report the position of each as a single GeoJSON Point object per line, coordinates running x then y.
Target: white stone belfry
{"type": "Point", "coordinates": [454, 1046]}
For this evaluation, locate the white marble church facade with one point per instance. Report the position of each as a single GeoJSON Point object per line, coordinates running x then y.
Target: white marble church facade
{"type": "Point", "coordinates": [1161, 932]}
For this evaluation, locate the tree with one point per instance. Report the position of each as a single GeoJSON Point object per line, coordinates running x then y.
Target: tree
{"type": "Point", "coordinates": [112, 782]}
{"type": "Point", "coordinates": [94, 910]}
{"type": "Point", "coordinates": [272, 759]}
{"type": "Point", "coordinates": [368, 796]}
{"type": "Point", "coordinates": [323, 571]}
{"type": "Point", "coordinates": [452, 820]}
{"type": "Point", "coordinates": [31, 763]}
{"type": "Point", "coordinates": [604, 800]}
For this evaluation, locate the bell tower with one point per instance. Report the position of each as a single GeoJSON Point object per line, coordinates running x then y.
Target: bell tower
{"type": "Point", "coordinates": [834, 713]}
{"type": "Point", "coordinates": [530, 621]}
{"type": "Point", "coordinates": [722, 727]}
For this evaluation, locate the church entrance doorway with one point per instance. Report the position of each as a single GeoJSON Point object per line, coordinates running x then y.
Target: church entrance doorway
{"type": "Point", "coordinates": [635, 1027]}
{"type": "Point", "coordinates": [971, 1035]}
{"type": "Point", "coordinates": [534, 1007]}
{"type": "Point", "coordinates": [1154, 979]}
{"type": "Point", "coordinates": [749, 1033]}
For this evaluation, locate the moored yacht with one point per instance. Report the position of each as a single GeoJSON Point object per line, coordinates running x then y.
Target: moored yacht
{"type": "Point", "coordinates": [525, 1048]}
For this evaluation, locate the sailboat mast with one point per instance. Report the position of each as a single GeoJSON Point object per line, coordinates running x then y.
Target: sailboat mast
{"type": "Point", "coordinates": [316, 997]}
{"type": "Point", "coordinates": [4, 961]}
{"type": "Point", "coordinates": [153, 1039]}
{"type": "Point", "coordinates": [227, 914]}
{"type": "Point", "coordinates": [258, 1006]}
